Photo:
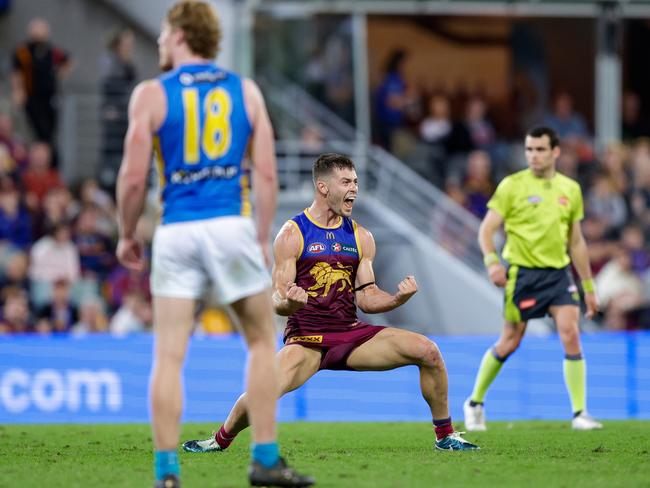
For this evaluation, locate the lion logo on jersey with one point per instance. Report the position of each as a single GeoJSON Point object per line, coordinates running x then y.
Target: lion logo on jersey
{"type": "Point", "coordinates": [326, 276]}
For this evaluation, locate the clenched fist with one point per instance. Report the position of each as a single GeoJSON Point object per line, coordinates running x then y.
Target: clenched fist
{"type": "Point", "coordinates": [296, 296]}
{"type": "Point", "coordinates": [406, 289]}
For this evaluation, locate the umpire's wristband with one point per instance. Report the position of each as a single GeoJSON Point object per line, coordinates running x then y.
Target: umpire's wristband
{"type": "Point", "coordinates": [588, 286]}
{"type": "Point", "coordinates": [490, 259]}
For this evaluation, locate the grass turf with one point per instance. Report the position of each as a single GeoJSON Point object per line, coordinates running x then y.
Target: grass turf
{"type": "Point", "coordinates": [355, 455]}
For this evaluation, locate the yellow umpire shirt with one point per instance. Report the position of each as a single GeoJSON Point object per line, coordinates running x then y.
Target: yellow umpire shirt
{"type": "Point", "coordinates": [538, 214]}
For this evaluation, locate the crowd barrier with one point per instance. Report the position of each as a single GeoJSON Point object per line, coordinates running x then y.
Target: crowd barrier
{"type": "Point", "coordinates": [104, 379]}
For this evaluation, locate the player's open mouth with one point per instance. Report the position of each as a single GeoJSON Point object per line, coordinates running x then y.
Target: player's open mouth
{"type": "Point", "coordinates": [349, 202]}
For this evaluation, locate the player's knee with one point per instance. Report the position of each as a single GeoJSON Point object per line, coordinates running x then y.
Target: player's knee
{"type": "Point", "coordinates": [169, 357]}
{"type": "Point", "coordinates": [427, 353]}
{"type": "Point", "coordinates": [570, 336]}
{"type": "Point", "coordinates": [508, 345]}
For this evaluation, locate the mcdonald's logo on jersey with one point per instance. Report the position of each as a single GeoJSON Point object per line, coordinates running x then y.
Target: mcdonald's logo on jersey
{"type": "Point", "coordinates": [329, 235]}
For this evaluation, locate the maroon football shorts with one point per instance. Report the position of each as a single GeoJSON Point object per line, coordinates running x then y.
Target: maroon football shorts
{"type": "Point", "coordinates": [335, 347]}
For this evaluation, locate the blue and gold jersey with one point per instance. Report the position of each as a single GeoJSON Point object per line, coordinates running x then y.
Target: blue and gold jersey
{"type": "Point", "coordinates": [326, 270]}
{"type": "Point", "coordinates": [201, 145]}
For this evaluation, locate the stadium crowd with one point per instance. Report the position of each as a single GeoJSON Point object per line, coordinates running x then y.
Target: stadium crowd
{"type": "Point", "coordinates": [451, 140]}
{"type": "Point", "coordinates": [58, 272]}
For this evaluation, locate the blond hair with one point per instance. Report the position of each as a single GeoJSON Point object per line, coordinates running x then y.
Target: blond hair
{"type": "Point", "coordinates": [199, 21]}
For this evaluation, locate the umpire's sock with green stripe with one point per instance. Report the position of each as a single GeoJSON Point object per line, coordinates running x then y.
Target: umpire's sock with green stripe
{"type": "Point", "coordinates": [575, 378]}
{"type": "Point", "coordinates": [490, 366]}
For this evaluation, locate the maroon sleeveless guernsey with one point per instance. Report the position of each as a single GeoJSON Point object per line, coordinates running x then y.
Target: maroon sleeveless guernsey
{"type": "Point", "coordinates": [326, 269]}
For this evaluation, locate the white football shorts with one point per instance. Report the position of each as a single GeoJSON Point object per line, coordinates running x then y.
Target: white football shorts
{"type": "Point", "coordinates": [223, 252]}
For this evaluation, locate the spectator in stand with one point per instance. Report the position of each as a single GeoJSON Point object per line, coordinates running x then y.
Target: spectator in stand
{"type": "Point", "coordinates": [16, 148]}
{"type": "Point", "coordinates": [55, 257]}
{"type": "Point", "coordinates": [632, 238]}
{"type": "Point", "coordinates": [57, 209]}
{"type": "Point", "coordinates": [14, 272]}
{"type": "Point", "coordinates": [391, 99]}
{"type": "Point", "coordinates": [614, 164]}
{"type": "Point", "coordinates": [118, 76]}
{"type": "Point", "coordinates": [478, 184]}
{"type": "Point", "coordinates": [565, 120]}
{"type": "Point", "coordinates": [91, 317]}
{"type": "Point", "coordinates": [39, 177]}
{"type": "Point", "coordinates": [60, 313]}
{"type": "Point", "coordinates": [133, 316]}
{"type": "Point", "coordinates": [15, 312]}
{"type": "Point", "coordinates": [15, 220]}
{"type": "Point", "coordinates": [604, 203]}
{"type": "Point", "coordinates": [91, 195]}
{"type": "Point", "coordinates": [38, 66]}
{"type": "Point", "coordinates": [640, 199]}
{"type": "Point", "coordinates": [481, 130]}
{"type": "Point", "coordinates": [633, 125]}
{"type": "Point", "coordinates": [619, 290]}
{"type": "Point", "coordinates": [122, 282]}
{"type": "Point", "coordinates": [95, 249]}
{"type": "Point", "coordinates": [445, 139]}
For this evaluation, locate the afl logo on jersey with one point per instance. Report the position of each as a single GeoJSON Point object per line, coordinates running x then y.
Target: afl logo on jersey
{"type": "Point", "coordinates": [316, 248]}
{"type": "Point", "coordinates": [336, 247]}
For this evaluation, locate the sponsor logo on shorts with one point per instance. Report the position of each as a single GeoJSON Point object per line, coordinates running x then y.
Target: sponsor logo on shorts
{"type": "Point", "coordinates": [527, 303]}
{"type": "Point", "coordinates": [534, 199]}
{"type": "Point", "coordinates": [336, 247]}
{"type": "Point", "coordinates": [572, 289]}
{"type": "Point", "coordinates": [564, 201]}
{"type": "Point", "coordinates": [316, 248]}
{"type": "Point", "coordinates": [311, 339]}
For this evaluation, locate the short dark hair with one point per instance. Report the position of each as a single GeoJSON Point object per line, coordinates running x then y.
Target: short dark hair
{"type": "Point", "coordinates": [325, 163]}
{"type": "Point", "coordinates": [541, 131]}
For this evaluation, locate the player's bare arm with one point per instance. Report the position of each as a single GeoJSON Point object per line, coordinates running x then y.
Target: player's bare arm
{"type": "Point", "coordinates": [370, 298]}
{"type": "Point", "coordinates": [262, 152]}
{"type": "Point", "coordinates": [580, 258]}
{"type": "Point", "coordinates": [144, 107]}
{"type": "Point", "coordinates": [287, 296]}
{"type": "Point", "coordinates": [489, 226]}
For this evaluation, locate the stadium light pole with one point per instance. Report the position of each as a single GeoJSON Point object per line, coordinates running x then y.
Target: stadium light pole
{"type": "Point", "coordinates": [608, 74]}
{"type": "Point", "coordinates": [361, 89]}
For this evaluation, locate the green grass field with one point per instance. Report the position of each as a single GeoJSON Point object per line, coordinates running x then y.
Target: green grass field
{"type": "Point", "coordinates": [355, 455]}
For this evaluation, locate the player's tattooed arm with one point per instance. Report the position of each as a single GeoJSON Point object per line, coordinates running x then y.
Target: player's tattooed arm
{"type": "Point", "coordinates": [287, 296]}
{"type": "Point", "coordinates": [370, 298]}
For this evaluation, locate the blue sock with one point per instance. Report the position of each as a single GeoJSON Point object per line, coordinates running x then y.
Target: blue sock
{"type": "Point", "coordinates": [166, 462]}
{"type": "Point", "coordinates": [266, 454]}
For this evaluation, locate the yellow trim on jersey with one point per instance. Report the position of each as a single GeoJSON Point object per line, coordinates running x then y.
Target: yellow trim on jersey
{"type": "Point", "coordinates": [302, 239]}
{"type": "Point", "coordinates": [246, 208]}
{"type": "Point", "coordinates": [160, 163]}
{"type": "Point", "coordinates": [313, 221]}
{"type": "Point", "coordinates": [357, 240]}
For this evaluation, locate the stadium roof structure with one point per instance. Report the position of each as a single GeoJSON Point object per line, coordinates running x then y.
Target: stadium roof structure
{"type": "Point", "coordinates": [517, 8]}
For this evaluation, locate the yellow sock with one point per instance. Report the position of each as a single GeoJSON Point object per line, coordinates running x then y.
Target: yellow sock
{"type": "Point", "coordinates": [575, 378]}
{"type": "Point", "coordinates": [489, 369]}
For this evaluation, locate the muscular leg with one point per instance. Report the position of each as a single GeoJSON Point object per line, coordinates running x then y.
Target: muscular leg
{"type": "Point", "coordinates": [567, 318]}
{"type": "Point", "coordinates": [173, 321]}
{"type": "Point", "coordinates": [392, 348]}
{"type": "Point", "coordinates": [256, 319]}
{"type": "Point", "coordinates": [296, 365]}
